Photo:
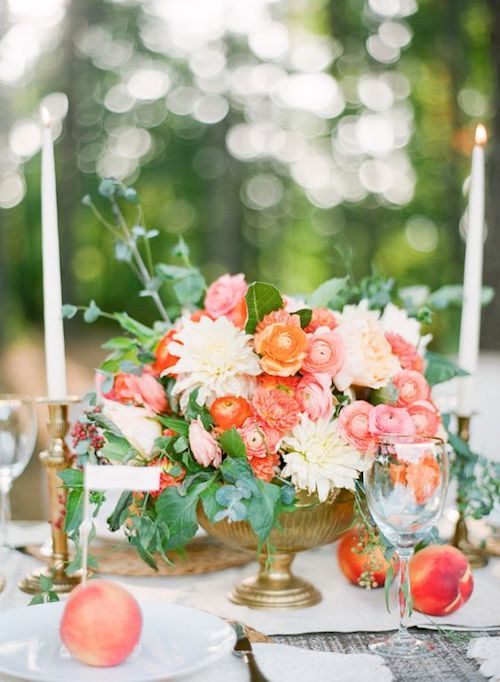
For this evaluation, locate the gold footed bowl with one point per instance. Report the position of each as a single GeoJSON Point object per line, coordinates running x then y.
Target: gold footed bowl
{"type": "Point", "coordinates": [311, 525]}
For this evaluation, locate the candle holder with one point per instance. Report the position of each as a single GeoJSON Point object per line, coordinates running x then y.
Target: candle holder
{"type": "Point", "coordinates": [475, 555]}
{"type": "Point", "coordinates": [55, 459]}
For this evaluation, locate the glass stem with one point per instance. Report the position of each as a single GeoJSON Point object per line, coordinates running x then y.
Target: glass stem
{"type": "Point", "coordinates": [5, 486]}
{"type": "Point", "coordinates": [404, 594]}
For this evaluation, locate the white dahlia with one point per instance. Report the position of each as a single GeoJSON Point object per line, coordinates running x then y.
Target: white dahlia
{"type": "Point", "coordinates": [215, 357]}
{"type": "Point", "coordinates": [317, 459]}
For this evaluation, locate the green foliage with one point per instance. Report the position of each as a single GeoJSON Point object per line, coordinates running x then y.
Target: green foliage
{"type": "Point", "coordinates": [46, 593]}
{"type": "Point", "coordinates": [330, 293]}
{"type": "Point", "coordinates": [440, 368]}
{"type": "Point", "coordinates": [117, 449]}
{"type": "Point", "coordinates": [232, 443]}
{"type": "Point", "coordinates": [261, 300]}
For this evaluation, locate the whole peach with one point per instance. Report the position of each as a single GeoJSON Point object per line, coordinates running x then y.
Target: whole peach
{"type": "Point", "coordinates": [360, 565]}
{"type": "Point", "coordinates": [101, 623]}
{"type": "Point", "coordinates": [441, 580]}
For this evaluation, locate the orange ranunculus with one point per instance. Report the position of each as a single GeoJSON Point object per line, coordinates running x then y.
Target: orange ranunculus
{"type": "Point", "coordinates": [424, 477]}
{"type": "Point", "coordinates": [239, 314]}
{"type": "Point", "coordinates": [230, 411]}
{"type": "Point", "coordinates": [286, 384]}
{"type": "Point", "coordinates": [283, 348]}
{"type": "Point", "coordinates": [164, 359]}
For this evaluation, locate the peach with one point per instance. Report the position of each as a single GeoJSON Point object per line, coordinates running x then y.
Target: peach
{"type": "Point", "coordinates": [441, 580]}
{"type": "Point", "coordinates": [101, 623]}
{"type": "Point", "coordinates": [364, 568]}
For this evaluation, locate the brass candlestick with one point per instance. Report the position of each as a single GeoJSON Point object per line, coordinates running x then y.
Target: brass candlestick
{"type": "Point", "coordinates": [476, 557]}
{"type": "Point", "coordinates": [55, 459]}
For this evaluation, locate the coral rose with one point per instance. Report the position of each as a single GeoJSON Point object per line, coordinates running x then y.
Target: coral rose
{"type": "Point", "coordinates": [411, 387]}
{"type": "Point", "coordinates": [354, 425]}
{"type": "Point", "coordinates": [206, 450]}
{"type": "Point", "coordinates": [321, 317]}
{"type": "Point", "coordinates": [224, 294]}
{"type": "Point", "coordinates": [314, 395]}
{"type": "Point", "coordinates": [388, 419]}
{"type": "Point", "coordinates": [276, 408]}
{"type": "Point", "coordinates": [153, 393]}
{"type": "Point", "coordinates": [125, 389]}
{"type": "Point", "coordinates": [406, 352]}
{"type": "Point", "coordinates": [282, 347]}
{"type": "Point", "coordinates": [259, 438]}
{"type": "Point", "coordinates": [325, 353]}
{"type": "Point", "coordinates": [425, 416]}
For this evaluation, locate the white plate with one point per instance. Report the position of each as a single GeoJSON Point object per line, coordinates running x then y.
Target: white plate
{"type": "Point", "coordinates": [176, 641]}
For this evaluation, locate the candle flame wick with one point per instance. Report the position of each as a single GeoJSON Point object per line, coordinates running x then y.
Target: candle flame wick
{"type": "Point", "coordinates": [45, 116]}
{"type": "Point", "coordinates": [481, 135]}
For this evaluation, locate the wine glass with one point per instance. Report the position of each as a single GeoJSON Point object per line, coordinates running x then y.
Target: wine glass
{"type": "Point", "coordinates": [405, 490]}
{"type": "Point", "coordinates": [17, 441]}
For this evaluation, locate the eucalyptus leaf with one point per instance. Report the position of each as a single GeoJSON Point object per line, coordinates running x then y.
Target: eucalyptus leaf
{"type": "Point", "coordinates": [69, 311]}
{"type": "Point", "coordinates": [92, 313]}
{"type": "Point", "coordinates": [327, 292]}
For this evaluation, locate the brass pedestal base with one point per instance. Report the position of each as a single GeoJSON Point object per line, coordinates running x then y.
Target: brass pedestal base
{"type": "Point", "coordinates": [475, 556]}
{"type": "Point", "coordinates": [276, 588]}
{"type": "Point", "coordinates": [61, 583]}
{"type": "Point", "coordinates": [2, 583]}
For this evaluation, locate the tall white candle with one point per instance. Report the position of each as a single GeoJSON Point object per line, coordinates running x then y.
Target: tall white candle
{"type": "Point", "coordinates": [473, 276]}
{"type": "Point", "coordinates": [55, 363]}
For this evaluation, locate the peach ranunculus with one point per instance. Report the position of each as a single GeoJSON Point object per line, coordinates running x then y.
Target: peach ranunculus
{"type": "Point", "coordinates": [206, 450]}
{"type": "Point", "coordinates": [281, 316]}
{"type": "Point", "coordinates": [369, 358]}
{"type": "Point", "coordinates": [354, 425]}
{"type": "Point", "coordinates": [388, 419]}
{"type": "Point", "coordinates": [314, 395]}
{"type": "Point", "coordinates": [153, 393]}
{"type": "Point", "coordinates": [426, 417]}
{"type": "Point", "coordinates": [411, 386]}
{"type": "Point", "coordinates": [259, 438]}
{"type": "Point", "coordinates": [224, 294]}
{"type": "Point", "coordinates": [406, 352]}
{"type": "Point", "coordinates": [321, 317]}
{"type": "Point", "coordinates": [276, 408]}
{"type": "Point", "coordinates": [282, 347]}
{"type": "Point", "coordinates": [325, 353]}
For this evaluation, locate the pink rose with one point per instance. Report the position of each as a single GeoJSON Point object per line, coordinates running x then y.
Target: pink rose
{"type": "Point", "coordinates": [206, 450]}
{"type": "Point", "coordinates": [314, 396]}
{"type": "Point", "coordinates": [325, 352]}
{"type": "Point", "coordinates": [388, 419]}
{"type": "Point", "coordinates": [354, 425]}
{"type": "Point", "coordinates": [259, 438]}
{"type": "Point", "coordinates": [224, 294]}
{"type": "Point", "coordinates": [425, 417]}
{"type": "Point", "coordinates": [153, 393]}
{"type": "Point", "coordinates": [411, 386]}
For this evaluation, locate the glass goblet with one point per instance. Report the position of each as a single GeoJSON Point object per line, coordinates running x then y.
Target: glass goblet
{"type": "Point", "coordinates": [405, 490]}
{"type": "Point", "coordinates": [18, 429]}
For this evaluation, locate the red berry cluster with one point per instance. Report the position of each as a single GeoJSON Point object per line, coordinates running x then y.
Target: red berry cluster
{"type": "Point", "coordinates": [86, 431]}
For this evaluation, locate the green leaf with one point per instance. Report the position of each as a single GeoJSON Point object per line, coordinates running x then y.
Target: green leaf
{"type": "Point", "coordinates": [440, 368]}
{"type": "Point", "coordinates": [305, 315]}
{"type": "Point", "coordinates": [72, 478]}
{"type": "Point", "coordinates": [387, 584]}
{"type": "Point", "coordinates": [176, 424]}
{"type": "Point", "coordinates": [119, 343]}
{"type": "Point", "coordinates": [232, 443]}
{"type": "Point", "coordinates": [130, 195]}
{"type": "Point", "coordinates": [453, 294]}
{"type": "Point", "coordinates": [210, 505]}
{"type": "Point", "coordinates": [74, 510]}
{"type": "Point", "coordinates": [261, 300]}
{"type": "Point", "coordinates": [115, 520]}
{"type": "Point", "coordinates": [69, 311]}
{"type": "Point", "coordinates": [143, 333]}
{"type": "Point", "coordinates": [115, 448]}
{"type": "Point", "coordinates": [179, 514]}
{"type": "Point", "coordinates": [107, 187]}
{"type": "Point", "coordinates": [194, 410]}
{"type": "Point", "coordinates": [91, 313]}
{"type": "Point", "coordinates": [263, 509]}
{"type": "Point", "coordinates": [190, 289]}
{"type": "Point", "coordinates": [146, 556]}
{"type": "Point", "coordinates": [181, 250]}
{"type": "Point", "coordinates": [327, 292]}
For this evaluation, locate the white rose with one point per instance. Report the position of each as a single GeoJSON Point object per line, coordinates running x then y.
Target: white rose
{"type": "Point", "coordinates": [135, 423]}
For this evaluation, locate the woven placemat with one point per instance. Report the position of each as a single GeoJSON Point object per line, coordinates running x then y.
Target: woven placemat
{"type": "Point", "coordinates": [202, 555]}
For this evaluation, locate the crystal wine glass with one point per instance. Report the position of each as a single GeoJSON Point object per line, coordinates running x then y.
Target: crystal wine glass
{"type": "Point", "coordinates": [405, 491]}
{"type": "Point", "coordinates": [17, 441]}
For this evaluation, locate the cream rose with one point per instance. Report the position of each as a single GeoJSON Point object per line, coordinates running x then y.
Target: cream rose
{"type": "Point", "coordinates": [135, 423]}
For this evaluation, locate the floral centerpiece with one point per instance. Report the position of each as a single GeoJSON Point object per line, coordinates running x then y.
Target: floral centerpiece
{"type": "Point", "coordinates": [246, 398]}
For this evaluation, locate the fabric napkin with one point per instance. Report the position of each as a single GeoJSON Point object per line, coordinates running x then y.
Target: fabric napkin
{"type": "Point", "coordinates": [486, 651]}
{"type": "Point", "coordinates": [281, 662]}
